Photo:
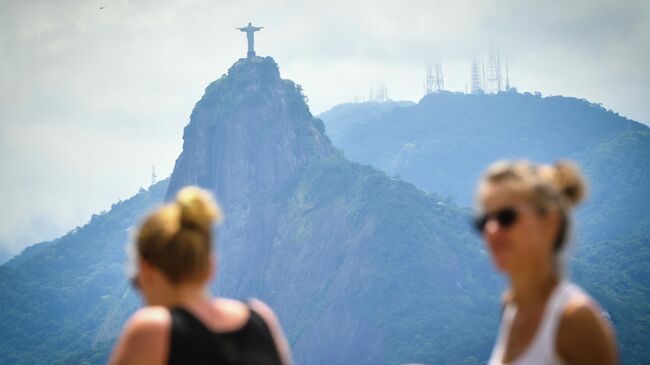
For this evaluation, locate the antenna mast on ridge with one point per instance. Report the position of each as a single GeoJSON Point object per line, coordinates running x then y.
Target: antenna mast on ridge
{"type": "Point", "coordinates": [428, 82]}
{"type": "Point", "coordinates": [439, 81]}
{"type": "Point", "coordinates": [476, 77]}
{"type": "Point", "coordinates": [434, 82]}
{"type": "Point", "coordinates": [493, 77]}
{"type": "Point", "coordinates": [154, 178]}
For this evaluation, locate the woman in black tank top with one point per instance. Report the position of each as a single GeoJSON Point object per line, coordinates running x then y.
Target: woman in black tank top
{"type": "Point", "coordinates": [194, 343]}
{"type": "Point", "coordinates": [182, 323]}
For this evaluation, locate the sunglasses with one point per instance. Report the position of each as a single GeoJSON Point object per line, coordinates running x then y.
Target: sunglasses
{"type": "Point", "coordinates": [505, 217]}
{"type": "Point", "coordinates": [135, 284]}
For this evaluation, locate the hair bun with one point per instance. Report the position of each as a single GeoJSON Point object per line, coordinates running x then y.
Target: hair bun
{"type": "Point", "coordinates": [197, 208]}
{"type": "Point", "coordinates": [568, 179]}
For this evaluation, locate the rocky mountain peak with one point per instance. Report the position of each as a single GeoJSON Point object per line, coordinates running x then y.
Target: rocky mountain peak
{"type": "Point", "coordinates": [249, 133]}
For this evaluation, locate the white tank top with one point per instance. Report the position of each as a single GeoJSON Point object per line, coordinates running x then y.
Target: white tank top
{"type": "Point", "coordinates": [541, 349]}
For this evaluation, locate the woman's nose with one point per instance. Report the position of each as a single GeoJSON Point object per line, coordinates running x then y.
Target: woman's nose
{"type": "Point", "coordinates": [491, 227]}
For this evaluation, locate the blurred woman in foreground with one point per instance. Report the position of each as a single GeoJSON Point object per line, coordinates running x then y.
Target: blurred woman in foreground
{"type": "Point", "coordinates": [182, 323]}
{"type": "Point", "coordinates": [525, 219]}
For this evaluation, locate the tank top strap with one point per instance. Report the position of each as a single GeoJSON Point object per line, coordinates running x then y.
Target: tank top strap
{"type": "Point", "coordinates": [507, 316]}
{"type": "Point", "coordinates": [542, 348]}
{"type": "Point", "coordinates": [545, 346]}
{"type": "Point", "coordinates": [555, 309]}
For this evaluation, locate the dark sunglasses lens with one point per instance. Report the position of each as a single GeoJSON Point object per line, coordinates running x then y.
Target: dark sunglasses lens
{"type": "Point", "coordinates": [480, 222]}
{"type": "Point", "coordinates": [134, 283]}
{"type": "Point", "coordinates": [506, 217]}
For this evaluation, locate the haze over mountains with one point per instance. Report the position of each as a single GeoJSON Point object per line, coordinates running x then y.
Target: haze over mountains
{"type": "Point", "coordinates": [361, 266]}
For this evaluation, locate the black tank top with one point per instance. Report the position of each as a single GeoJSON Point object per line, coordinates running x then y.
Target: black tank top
{"type": "Point", "coordinates": [192, 343]}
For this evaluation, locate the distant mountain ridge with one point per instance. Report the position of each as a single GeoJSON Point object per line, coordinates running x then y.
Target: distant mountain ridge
{"type": "Point", "coordinates": [4, 254]}
{"type": "Point", "coordinates": [458, 135]}
{"type": "Point", "coordinates": [444, 142]}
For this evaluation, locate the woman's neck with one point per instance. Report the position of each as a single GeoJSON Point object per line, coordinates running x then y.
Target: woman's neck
{"type": "Point", "coordinates": [533, 287]}
{"type": "Point", "coordinates": [185, 295]}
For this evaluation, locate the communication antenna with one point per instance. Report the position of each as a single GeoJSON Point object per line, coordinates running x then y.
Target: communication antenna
{"type": "Point", "coordinates": [378, 94]}
{"type": "Point", "coordinates": [499, 83]}
{"type": "Point", "coordinates": [476, 77]}
{"type": "Point", "coordinates": [439, 81]}
{"type": "Point", "coordinates": [493, 76]}
{"type": "Point", "coordinates": [382, 94]}
{"type": "Point", "coordinates": [483, 83]}
{"type": "Point", "coordinates": [154, 178]}
{"type": "Point", "coordinates": [429, 81]}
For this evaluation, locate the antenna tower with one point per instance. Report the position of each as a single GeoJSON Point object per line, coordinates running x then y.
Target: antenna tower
{"type": "Point", "coordinates": [493, 76]}
{"type": "Point", "coordinates": [483, 83]}
{"type": "Point", "coordinates": [382, 94]}
{"type": "Point", "coordinates": [439, 81]}
{"type": "Point", "coordinates": [428, 82]}
{"type": "Point", "coordinates": [154, 178]}
{"type": "Point", "coordinates": [476, 77]}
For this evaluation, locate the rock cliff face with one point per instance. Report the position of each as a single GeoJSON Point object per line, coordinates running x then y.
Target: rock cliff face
{"type": "Point", "coordinates": [249, 133]}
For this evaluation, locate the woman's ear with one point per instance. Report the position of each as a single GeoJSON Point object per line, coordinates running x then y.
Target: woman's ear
{"type": "Point", "coordinates": [552, 226]}
{"type": "Point", "coordinates": [146, 270]}
{"type": "Point", "coordinates": [212, 267]}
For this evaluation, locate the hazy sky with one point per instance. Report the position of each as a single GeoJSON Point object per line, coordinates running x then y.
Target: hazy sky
{"type": "Point", "coordinates": [91, 98]}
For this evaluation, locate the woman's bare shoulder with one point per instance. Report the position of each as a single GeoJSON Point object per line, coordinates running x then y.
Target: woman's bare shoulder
{"type": "Point", "coordinates": [584, 335]}
{"type": "Point", "coordinates": [232, 306]}
{"type": "Point", "coordinates": [145, 337]}
{"type": "Point", "coordinates": [153, 316]}
{"type": "Point", "coordinates": [228, 315]}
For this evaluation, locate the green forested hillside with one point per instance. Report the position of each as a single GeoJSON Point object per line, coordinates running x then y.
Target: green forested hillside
{"type": "Point", "coordinates": [63, 301]}
{"type": "Point", "coordinates": [445, 142]}
{"type": "Point", "coordinates": [613, 257]}
{"type": "Point", "coordinates": [392, 275]}
{"type": "Point", "coordinates": [619, 173]}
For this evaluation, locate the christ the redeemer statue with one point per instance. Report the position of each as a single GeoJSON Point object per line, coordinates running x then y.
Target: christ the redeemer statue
{"type": "Point", "coordinates": [249, 36]}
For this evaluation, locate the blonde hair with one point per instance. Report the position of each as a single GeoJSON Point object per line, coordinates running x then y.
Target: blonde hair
{"type": "Point", "coordinates": [560, 186]}
{"type": "Point", "coordinates": [177, 238]}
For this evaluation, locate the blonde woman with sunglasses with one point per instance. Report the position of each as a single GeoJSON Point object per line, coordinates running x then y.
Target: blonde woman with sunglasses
{"type": "Point", "coordinates": [524, 215]}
